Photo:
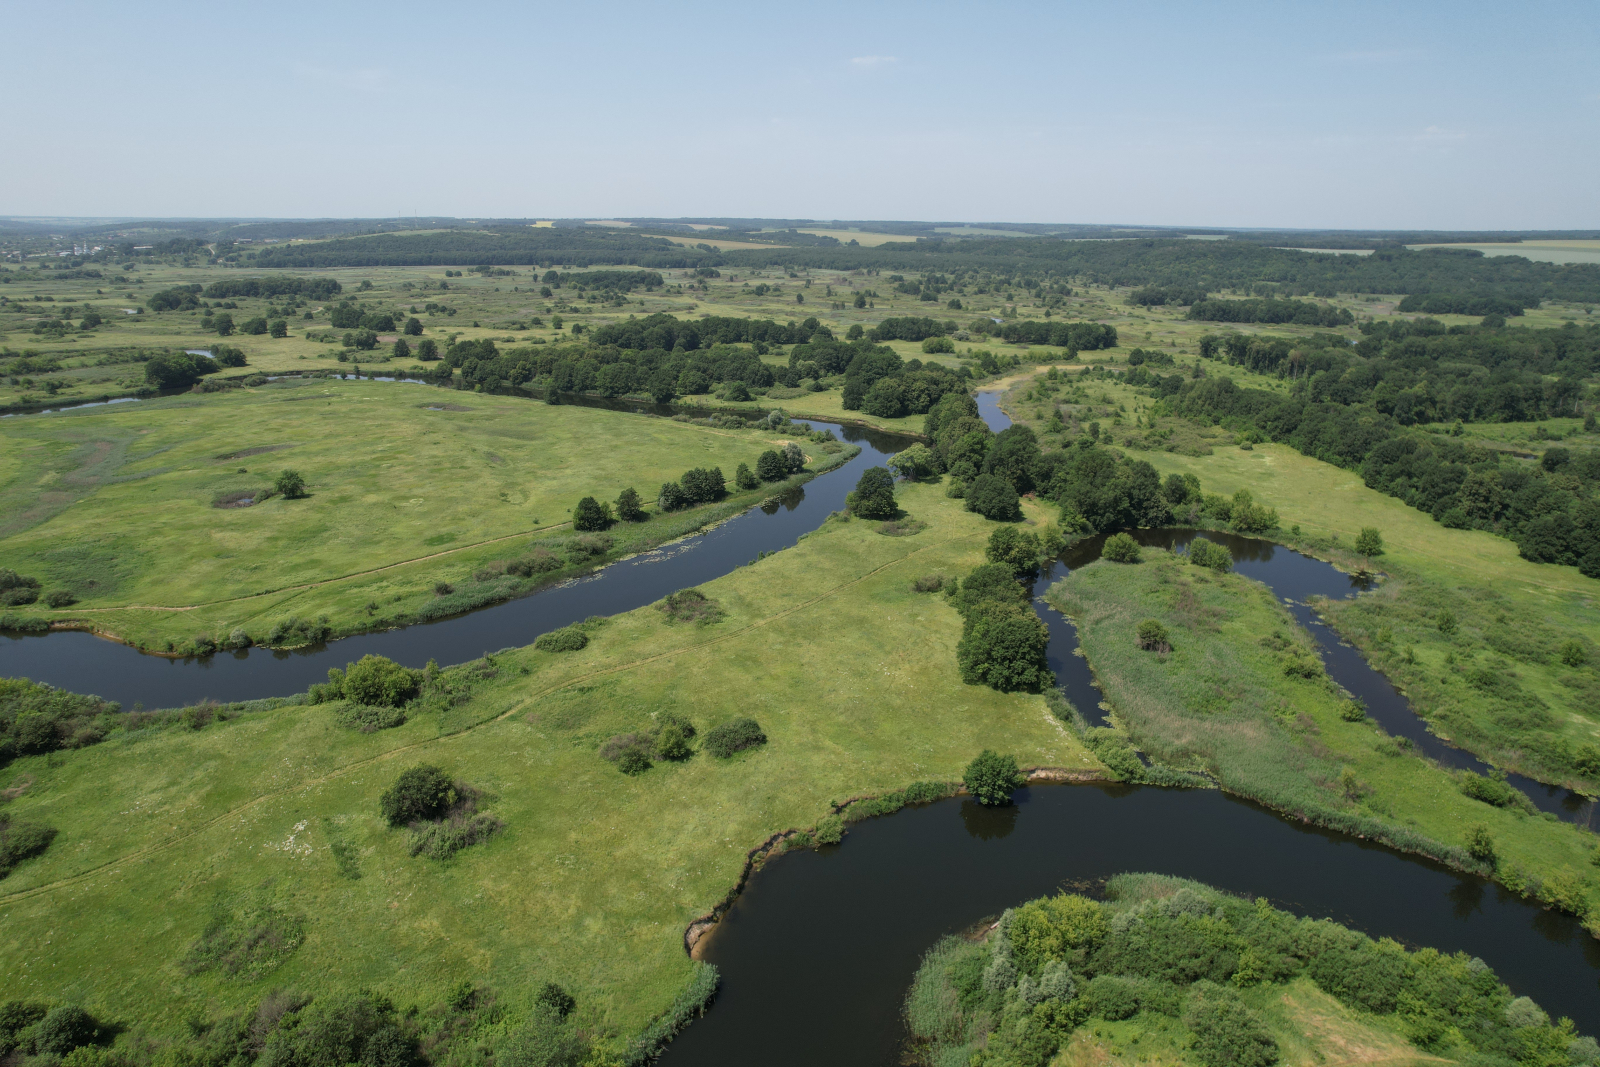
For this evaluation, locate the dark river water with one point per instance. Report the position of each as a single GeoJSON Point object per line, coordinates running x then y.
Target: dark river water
{"type": "Point", "coordinates": [818, 951]}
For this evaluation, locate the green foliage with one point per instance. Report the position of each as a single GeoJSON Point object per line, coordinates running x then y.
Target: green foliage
{"type": "Point", "coordinates": [1573, 654]}
{"type": "Point", "coordinates": [590, 514]}
{"type": "Point", "coordinates": [991, 778]}
{"type": "Point", "coordinates": [566, 639]}
{"type": "Point", "coordinates": [672, 743]}
{"type": "Point", "coordinates": [360, 1028]}
{"type": "Point", "coordinates": [369, 719]}
{"type": "Point", "coordinates": [290, 484]}
{"type": "Point", "coordinates": [690, 1002]}
{"type": "Point", "coordinates": [1480, 844]}
{"type": "Point", "coordinates": [1121, 548]}
{"type": "Point", "coordinates": [1227, 1034]}
{"type": "Point", "coordinates": [37, 718]}
{"type": "Point", "coordinates": [20, 840]}
{"type": "Point", "coordinates": [629, 507]}
{"type": "Point", "coordinates": [442, 839]}
{"type": "Point", "coordinates": [733, 736]}
{"type": "Point", "coordinates": [915, 463]}
{"type": "Point", "coordinates": [830, 831]}
{"type": "Point", "coordinates": [744, 478]}
{"type": "Point", "coordinates": [1445, 621]}
{"type": "Point", "coordinates": [994, 498]}
{"type": "Point", "coordinates": [873, 497]}
{"type": "Point", "coordinates": [633, 761]}
{"type": "Point", "coordinates": [422, 792]}
{"type": "Point", "coordinates": [177, 370]}
{"type": "Point", "coordinates": [1152, 636]}
{"type": "Point", "coordinates": [63, 1029]}
{"type": "Point", "coordinates": [375, 680]}
{"type": "Point", "coordinates": [1209, 554]}
{"type": "Point", "coordinates": [691, 605]}
{"type": "Point", "coordinates": [1003, 646]}
{"type": "Point", "coordinates": [1369, 542]}
{"type": "Point", "coordinates": [1017, 549]}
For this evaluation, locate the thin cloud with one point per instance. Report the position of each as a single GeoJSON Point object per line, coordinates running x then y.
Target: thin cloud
{"type": "Point", "coordinates": [869, 62]}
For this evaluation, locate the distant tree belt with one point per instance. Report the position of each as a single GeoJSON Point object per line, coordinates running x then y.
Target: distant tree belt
{"type": "Point", "coordinates": [1084, 336]}
{"type": "Point", "coordinates": [1159, 296]}
{"type": "Point", "coordinates": [525, 246]}
{"type": "Point", "coordinates": [1552, 511]}
{"type": "Point", "coordinates": [310, 288]}
{"type": "Point", "coordinates": [666, 331]}
{"type": "Point", "coordinates": [1469, 303]}
{"type": "Point", "coordinates": [1208, 266]}
{"type": "Point", "coordinates": [1297, 312]}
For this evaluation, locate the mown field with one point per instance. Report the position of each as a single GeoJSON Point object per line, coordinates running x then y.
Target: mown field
{"type": "Point", "coordinates": [851, 675]}
{"type": "Point", "coordinates": [408, 486]}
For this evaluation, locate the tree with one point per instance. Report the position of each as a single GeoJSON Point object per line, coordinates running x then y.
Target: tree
{"type": "Point", "coordinates": [859, 302]}
{"type": "Point", "coordinates": [1573, 654]}
{"type": "Point", "coordinates": [1121, 548]}
{"type": "Point", "coordinates": [937, 345]}
{"type": "Point", "coordinates": [770, 466]}
{"type": "Point", "coordinates": [401, 349]}
{"type": "Point", "coordinates": [366, 340]}
{"type": "Point", "coordinates": [702, 485]}
{"type": "Point", "coordinates": [994, 498]}
{"type": "Point", "coordinates": [672, 497]}
{"type": "Point", "coordinates": [914, 463]}
{"type": "Point", "coordinates": [427, 350]}
{"type": "Point", "coordinates": [794, 460]}
{"type": "Point", "coordinates": [590, 514]}
{"type": "Point", "coordinates": [1003, 646]}
{"type": "Point", "coordinates": [413, 327]}
{"type": "Point", "coordinates": [279, 328]}
{"type": "Point", "coordinates": [629, 508]}
{"type": "Point", "coordinates": [423, 792]}
{"type": "Point", "coordinates": [63, 1029]}
{"type": "Point", "coordinates": [377, 681]}
{"type": "Point", "coordinates": [256, 325]}
{"type": "Point", "coordinates": [1369, 542]}
{"type": "Point", "coordinates": [179, 370]}
{"type": "Point", "coordinates": [735, 391]}
{"type": "Point", "coordinates": [223, 324]}
{"type": "Point", "coordinates": [991, 778]}
{"type": "Point", "coordinates": [1480, 844]}
{"type": "Point", "coordinates": [290, 484]}
{"type": "Point", "coordinates": [745, 478]}
{"type": "Point", "coordinates": [1014, 548]}
{"type": "Point", "coordinates": [228, 356]}
{"type": "Point", "coordinates": [874, 495]}
{"type": "Point", "coordinates": [1226, 1032]}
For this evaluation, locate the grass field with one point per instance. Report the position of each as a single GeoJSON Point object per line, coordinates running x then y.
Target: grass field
{"type": "Point", "coordinates": [851, 675]}
{"type": "Point", "coordinates": [409, 486]}
{"type": "Point", "coordinates": [1242, 695]}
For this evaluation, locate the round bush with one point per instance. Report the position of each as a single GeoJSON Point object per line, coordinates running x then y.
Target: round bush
{"type": "Point", "coordinates": [734, 736]}
{"type": "Point", "coordinates": [566, 639]}
{"type": "Point", "coordinates": [381, 682]}
{"type": "Point", "coordinates": [994, 498]}
{"type": "Point", "coordinates": [59, 598]}
{"type": "Point", "coordinates": [633, 761]}
{"type": "Point", "coordinates": [64, 1029]}
{"type": "Point", "coordinates": [991, 778]}
{"type": "Point", "coordinates": [1121, 548]}
{"type": "Point", "coordinates": [423, 792]}
{"type": "Point", "coordinates": [1152, 636]}
{"type": "Point", "coordinates": [1204, 553]}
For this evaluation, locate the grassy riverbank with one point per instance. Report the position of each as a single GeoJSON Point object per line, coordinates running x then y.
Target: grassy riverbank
{"type": "Point", "coordinates": [851, 675]}
{"type": "Point", "coordinates": [1242, 695]}
{"type": "Point", "coordinates": [408, 487]}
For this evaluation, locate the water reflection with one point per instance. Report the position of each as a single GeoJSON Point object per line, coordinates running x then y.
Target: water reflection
{"type": "Point", "coordinates": [989, 823]}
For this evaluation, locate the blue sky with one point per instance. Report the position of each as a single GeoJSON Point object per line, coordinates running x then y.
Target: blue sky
{"type": "Point", "coordinates": [1433, 115]}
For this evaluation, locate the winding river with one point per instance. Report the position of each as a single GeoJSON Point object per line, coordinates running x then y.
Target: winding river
{"type": "Point", "coordinates": [819, 949]}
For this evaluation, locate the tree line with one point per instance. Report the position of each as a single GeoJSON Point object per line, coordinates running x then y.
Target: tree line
{"type": "Point", "coordinates": [1295, 312]}
{"type": "Point", "coordinates": [274, 286]}
{"type": "Point", "coordinates": [543, 247]}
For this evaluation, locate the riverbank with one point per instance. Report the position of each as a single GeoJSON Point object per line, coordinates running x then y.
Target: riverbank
{"type": "Point", "coordinates": [850, 673]}
{"type": "Point", "coordinates": [1243, 695]}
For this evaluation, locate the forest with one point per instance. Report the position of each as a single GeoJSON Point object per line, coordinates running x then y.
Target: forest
{"type": "Point", "coordinates": [524, 245]}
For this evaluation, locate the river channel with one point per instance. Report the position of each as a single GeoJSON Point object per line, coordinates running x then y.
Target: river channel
{"type": "Point", "coordinates": [819, 949]}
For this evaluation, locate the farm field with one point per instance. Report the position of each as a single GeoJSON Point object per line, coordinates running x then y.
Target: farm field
{"type": "Point", "coordinates": [850, 673]}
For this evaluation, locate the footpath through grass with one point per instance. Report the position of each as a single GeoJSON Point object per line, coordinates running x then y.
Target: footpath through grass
{"type": "Point", "coordinates": [1241, 694]}
{"type": "Point", "coordinates": [273, 818]}
{"type": "Point", "coordinates": [118, 504]}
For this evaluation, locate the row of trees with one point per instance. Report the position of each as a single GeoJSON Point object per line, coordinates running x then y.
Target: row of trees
{"type": "Point", "coordinates": [699, 485]}
{"type": "Point", "coordinates": [1296, 312]}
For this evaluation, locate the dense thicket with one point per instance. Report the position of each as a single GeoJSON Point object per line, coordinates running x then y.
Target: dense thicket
{"type": "Point", "coordinates": [1296, 312]}
{"type": "Point", "coordinates": [1179, 952]}
{"type": "Point", "coordinates": [310, 288]}
{"type": "Point", "coordinates": [519, 246]}
{"type": "Point", "coordinates": [37, 718]}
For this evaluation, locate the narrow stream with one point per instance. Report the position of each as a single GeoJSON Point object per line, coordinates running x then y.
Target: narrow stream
{"type": "Point", "coordinates": [1294, 578]}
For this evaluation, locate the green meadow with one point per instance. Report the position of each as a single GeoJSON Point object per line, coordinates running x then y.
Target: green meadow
{"type": "Point", "coordinates": [408, 486]}
{"type": "Point", "coordinates": [851, 675]}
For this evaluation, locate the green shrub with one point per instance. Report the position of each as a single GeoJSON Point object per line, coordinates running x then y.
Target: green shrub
{"type": "Point", "coordinates": [59, 598]}
{"type": "Point", "coordinates": [21, 841]}
{"type": "Point", "coordinates": [690, 605]}
{"type": "Point", "coordinates": [1014, 548]}
{"type": "Point", "coordinates": [1480, 844]}
{"type": "Point", "coordinates": [423, 792]}
{"type": "Point", "coordinates": [16, 1016]}
{"type": "Point", "coordinates": [1573, 654]}
{"type": "Point", "coordinates": [1226, 1033]}
{"type": "Point", "coordinates": [64, 1029]}
{"type": "Point", "coordinates": [555, 998]}
{"type": "Point", "coordinates": [443, 839]}
{"type": "Point", "coordinates": [566, 639]}
{"type": "Point", "coordinates": [633, 761]}
{"type": "Point", "coordinates": [369, 719]}
{"type": "Point", "coordinates": [873, 497]}
{"type": "Point", "coordinates": [1003, 646]}
{"type": "Point", "coordinates": [289, 484]}
{"type": "Point", "coordinates": [1445, 621]}
{"type": "Point", "coordinates": [672, 743]}
{"type": "Point", "coordinates": [1121, 548]}
{"type": "Point", "coordinates": [360, 1028]}
{"type": "Point", "coordinates": [930, 583]}
{"type": "Point", "coordinates": [1369, 542]}
{"type": "Point", "coordinates": [1152, 636]}
{"type": "Point", "coordinates": [377, 681]}
{"type": "Point", "coordinates": [733, 736]}
{"type": "Point", "coordinates": [830, 831]}
{"type": "Point", "coordinates": [1209, 554]}
{"type": "Point", "coordinates": [629, 507]}
{"type": "Point", "coordinates": [992, 778]}
{"type": "Point", "coordinates": [1353, 711]}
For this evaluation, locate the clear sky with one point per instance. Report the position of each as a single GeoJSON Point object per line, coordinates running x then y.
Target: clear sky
{"type": "Point", "coordinates": [1391, 115]}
